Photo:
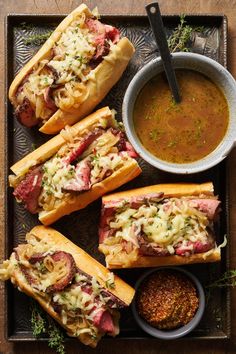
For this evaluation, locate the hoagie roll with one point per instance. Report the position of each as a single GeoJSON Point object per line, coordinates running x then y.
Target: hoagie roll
{"type": "Point", "coordinates": [166, 224]}
{"type": "Point", "coordinates": [74, 168]}
{"type": "Point", "coordinates": [71, 73]}
{"type": "Point", "coordinates": [71, 286]}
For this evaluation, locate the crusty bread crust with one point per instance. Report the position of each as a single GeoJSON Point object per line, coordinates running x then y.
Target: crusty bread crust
{"type": "Point", "coordinates": [152, 261]}
{"type": "Point", "coordinates": [84, 262]}
{"type": "Point", "coordinates": [50, 148]}
{"type": "Point", "coordinates": [104, 76]}
{"type": "Point", "coordinates": [169, 190]}
{"type": "Point", "coordinates": [79, 201]}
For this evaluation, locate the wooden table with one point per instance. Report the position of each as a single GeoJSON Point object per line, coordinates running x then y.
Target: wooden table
{"type": "Point", "coordinates": [227, 7]}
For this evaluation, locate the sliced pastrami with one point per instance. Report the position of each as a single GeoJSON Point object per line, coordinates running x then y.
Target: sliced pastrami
{"type": "Point", "coordinates": [25, 114]}
{"type": "Point", "coordinates": [81, 182]}
{"type": "Point", "coordinates": [210, 207]}
{"type": "Point", "coordinates": [84, 144]}
{"type": "Point", "coordinates": [29, 189]}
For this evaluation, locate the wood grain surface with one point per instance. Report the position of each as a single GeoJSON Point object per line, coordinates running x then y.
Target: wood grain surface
{"type": "Point", "coordinates": [227, 7]}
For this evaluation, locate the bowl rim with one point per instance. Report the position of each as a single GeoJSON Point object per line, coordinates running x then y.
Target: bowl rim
{"type": "Point", "coordinates": [181, 331]}
{"type": "Point", "coordinates": [210, 160]}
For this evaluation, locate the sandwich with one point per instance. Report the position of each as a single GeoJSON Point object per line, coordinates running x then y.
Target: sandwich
{"type": "Point", "coordinates": [165, 224]}
{"type": "Point", "coordinates": [71, 286]}
{"type": "Point", "coordinates": [75, 167]}
{"type": "Point", "coordinates": [71, 73]}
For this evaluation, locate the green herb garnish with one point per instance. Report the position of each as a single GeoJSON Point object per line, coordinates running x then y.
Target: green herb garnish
{"type": "Point", "coordinates": [43, 324]}
{"type": "Point", "coordinates": [228, 279]}
{"type": "Point", "coordinates": [179, 40]}
{"type": "Point", "coordinates": [26, 26]}
{"type": "Point", "coordinates": [38, 320]}
{"type": "Point", "coordinates": [56, 337]}
{"type": "Point", "coordinates": [37, 39]}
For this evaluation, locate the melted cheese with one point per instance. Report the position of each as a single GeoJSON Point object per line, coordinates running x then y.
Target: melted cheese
{"type": "Point", "coordinates": [165, 224]}
{"type": "Point", "coordinates": [56, 175]}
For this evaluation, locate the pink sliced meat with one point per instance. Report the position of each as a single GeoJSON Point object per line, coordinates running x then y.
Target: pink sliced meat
{"type": "Point", "coordinates": [103, 33]}
{"type": "Point", "coordinates": [104, 230]}
{"type": "Point", "coordinates": [207, 206]}
{"type": "Point", "coordinates": [50, 104]}
{"type": "Point", "coordinates": [195, 247]}
{"type": "Point", "coordinates": [112, 33]}
{"type": "Point", "coordinates": [130, 150]}
{"type": "Point", "coordinates": [82, 180]}
{"type": "Point", "coordinates": [103, 321]}
{"type": "Point", "coordinates": [29, 189]}
{"type": "Point", "coordinates": [95, 26]}
{"type": "Point", "coordinates": [84, 144]}
{"type": "Point", "coordinates": [25, 114]}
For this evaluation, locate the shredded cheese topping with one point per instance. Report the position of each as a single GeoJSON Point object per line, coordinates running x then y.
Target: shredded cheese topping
{"type": "Point", "coordinates": [66, 70]}
{"type": "Point", "coordinates": [79, 303]}
{"type": "Point", "coordinates": [103, 158]}
{"type": "Point", "coordinates": [167, 225]}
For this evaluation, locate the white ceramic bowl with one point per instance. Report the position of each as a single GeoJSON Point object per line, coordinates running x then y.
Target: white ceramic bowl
{"type": "Point", "coordinates": [210, 68]}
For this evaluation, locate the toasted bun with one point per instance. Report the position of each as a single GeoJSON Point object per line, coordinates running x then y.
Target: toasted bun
{"type": "Point", "coordinates": [169, 190]}
{"type": "Point", "coordinates": [104, 76]}
{"type": "Point", "coordinates": [84, 262]}
{"type": "Point", "coordinates": [151, 261]}
{"type": "Point", "coordinates": [125, 174]}
{"type": "Point", "coordinates": [75, 202]}
{"type": "Point", "coordinates": [50, 148]}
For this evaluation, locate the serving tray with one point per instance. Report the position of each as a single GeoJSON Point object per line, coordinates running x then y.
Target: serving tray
{"type": "Point", "coordinates": [81, 226]}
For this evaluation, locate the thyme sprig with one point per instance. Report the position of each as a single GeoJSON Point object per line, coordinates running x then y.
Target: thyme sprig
{"type": "Point", "coordinates": [228, 279]}
{"type": "Point", "coordinates": [179, 40]}
{"type": "Point", "coordinates": [37, 39]}
{"type": "Point", "coordinates": [42, 324]}
{"type": "Point", "coordinates": [56, 337]}
{"type": "Point", "coordinates": [38, 321]}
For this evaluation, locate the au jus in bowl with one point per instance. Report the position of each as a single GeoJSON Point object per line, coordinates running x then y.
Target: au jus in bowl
{"type": "Point", "coordinates": [188, 137]}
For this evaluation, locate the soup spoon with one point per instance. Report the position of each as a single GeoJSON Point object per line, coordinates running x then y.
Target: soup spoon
{"type": "Point", "coordinates": [154, 16]}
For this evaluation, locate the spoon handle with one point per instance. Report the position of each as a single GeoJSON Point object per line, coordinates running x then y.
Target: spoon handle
{"type": "Point", "coordinates": [154, 16]}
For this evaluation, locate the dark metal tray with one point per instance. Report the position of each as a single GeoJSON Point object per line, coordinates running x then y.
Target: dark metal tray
{"type": "Point", "coordinates": [81, 226]}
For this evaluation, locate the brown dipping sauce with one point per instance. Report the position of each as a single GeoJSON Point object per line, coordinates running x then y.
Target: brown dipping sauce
{"type": "Point", "coordinates": [184, 132]}
{"type": "Point", "coordinates": [167, 300]}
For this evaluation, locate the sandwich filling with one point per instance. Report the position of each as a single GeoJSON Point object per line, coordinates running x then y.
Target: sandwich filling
{"type": "Point", "coordinates": [153, 225]}
{"type": "Point", "coordinates": [82, 162]}
{"type": "Point", "coordinates": [82, 304]}
{"type": "Point", "coordinates": [59, 80]}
